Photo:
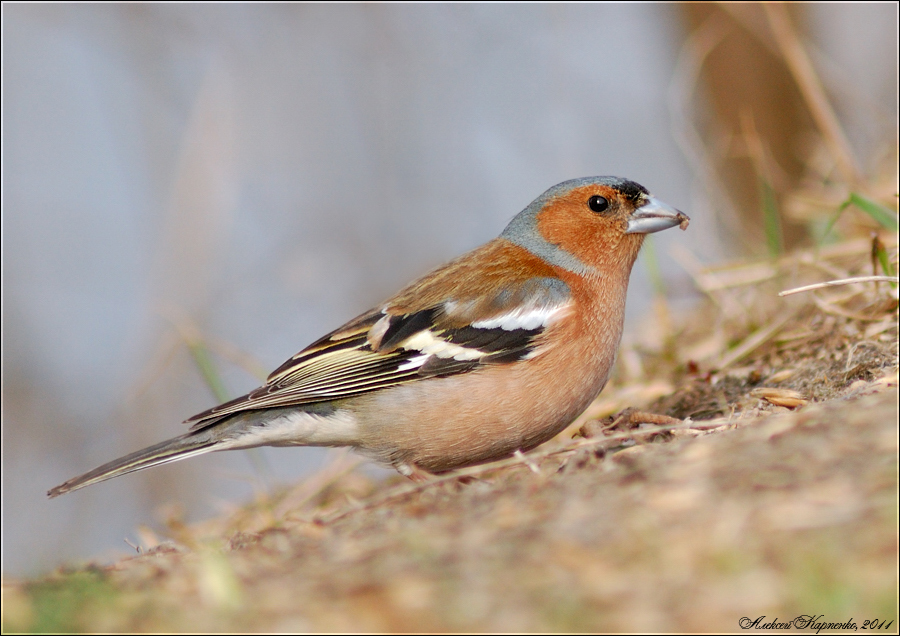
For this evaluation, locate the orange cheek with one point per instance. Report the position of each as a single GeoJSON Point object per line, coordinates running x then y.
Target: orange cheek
{"type": "Point", "coordinates": [588, 237]}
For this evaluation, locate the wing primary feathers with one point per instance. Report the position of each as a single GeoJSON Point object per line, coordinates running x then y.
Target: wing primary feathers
{"type": "Point", "coordinates": [314, 351]}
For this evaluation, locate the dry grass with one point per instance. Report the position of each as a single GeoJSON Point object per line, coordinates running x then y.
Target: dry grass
{"type": "Point", "coordinates": [777, 496]}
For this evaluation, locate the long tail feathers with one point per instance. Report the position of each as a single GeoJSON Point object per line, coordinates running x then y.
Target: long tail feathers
{"type": "Point", "coordinates": [169, 451]}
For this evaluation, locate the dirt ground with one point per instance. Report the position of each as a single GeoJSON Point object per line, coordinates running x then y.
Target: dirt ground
{"type": "Point", "coordinates": [774, 494]}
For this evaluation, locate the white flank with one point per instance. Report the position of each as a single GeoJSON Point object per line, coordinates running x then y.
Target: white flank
{"type": "Point", "coordinates": [299, 428]}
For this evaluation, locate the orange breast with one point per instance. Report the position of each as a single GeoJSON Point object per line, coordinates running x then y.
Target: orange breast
{"type": "Point", "coordinates": [449, 422]}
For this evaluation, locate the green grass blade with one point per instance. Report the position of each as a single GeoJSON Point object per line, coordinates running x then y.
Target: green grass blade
{"type": "Point", "coordinates": [648, 254]}
{"type": "Point", "coordinates": [886, 267]}
{"type": "Point", "coordinates": [883, 215]}
{"type": "Point", "coordinates": [208, 370]}
{"type": "Point", "coordinates": [771, 219]}
{"type": "Point", "coordinates": [830, 225]}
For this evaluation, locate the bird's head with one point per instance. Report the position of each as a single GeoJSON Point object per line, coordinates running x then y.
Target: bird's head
{"type": "Point", "coordinates": [589, 224]}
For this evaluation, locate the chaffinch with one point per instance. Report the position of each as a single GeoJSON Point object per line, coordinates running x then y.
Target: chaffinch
{"type": "Point", "coordinates": [495, 352]}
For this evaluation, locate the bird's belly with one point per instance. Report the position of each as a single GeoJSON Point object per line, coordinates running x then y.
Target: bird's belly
{"type": "Point", "coordinates": [450, 422]}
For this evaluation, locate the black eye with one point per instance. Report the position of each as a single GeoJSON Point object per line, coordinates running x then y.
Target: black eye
{"type": "Point", "coordinates": [598, 203]}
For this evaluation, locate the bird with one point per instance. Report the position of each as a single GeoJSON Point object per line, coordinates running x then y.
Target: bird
{"type": "Point", "coordinates": [491, 354]}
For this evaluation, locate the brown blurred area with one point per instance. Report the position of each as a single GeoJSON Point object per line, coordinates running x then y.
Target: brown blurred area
{"type": "Point", "coordinates": [768, 115]}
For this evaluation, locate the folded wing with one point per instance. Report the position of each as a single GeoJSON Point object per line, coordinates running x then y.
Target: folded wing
{"type": "Point", "coordinates": [388, 346]}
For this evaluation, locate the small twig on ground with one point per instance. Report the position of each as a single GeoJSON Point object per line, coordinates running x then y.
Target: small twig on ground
{"type": "Point", "coordinates": [843, 281]}
{"type": "Point", "coordinates": [527, 461]}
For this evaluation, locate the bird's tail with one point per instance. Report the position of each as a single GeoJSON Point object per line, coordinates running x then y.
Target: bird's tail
{"type": "Point", "coordinates": [171, 450]}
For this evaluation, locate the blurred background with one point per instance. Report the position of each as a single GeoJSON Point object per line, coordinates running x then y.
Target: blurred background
{"type": "Point", "coordinates": [191, 185]}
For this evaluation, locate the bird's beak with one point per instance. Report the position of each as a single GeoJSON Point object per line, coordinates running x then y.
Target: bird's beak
{"type": "Point", "coordinates": [655, 216]}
